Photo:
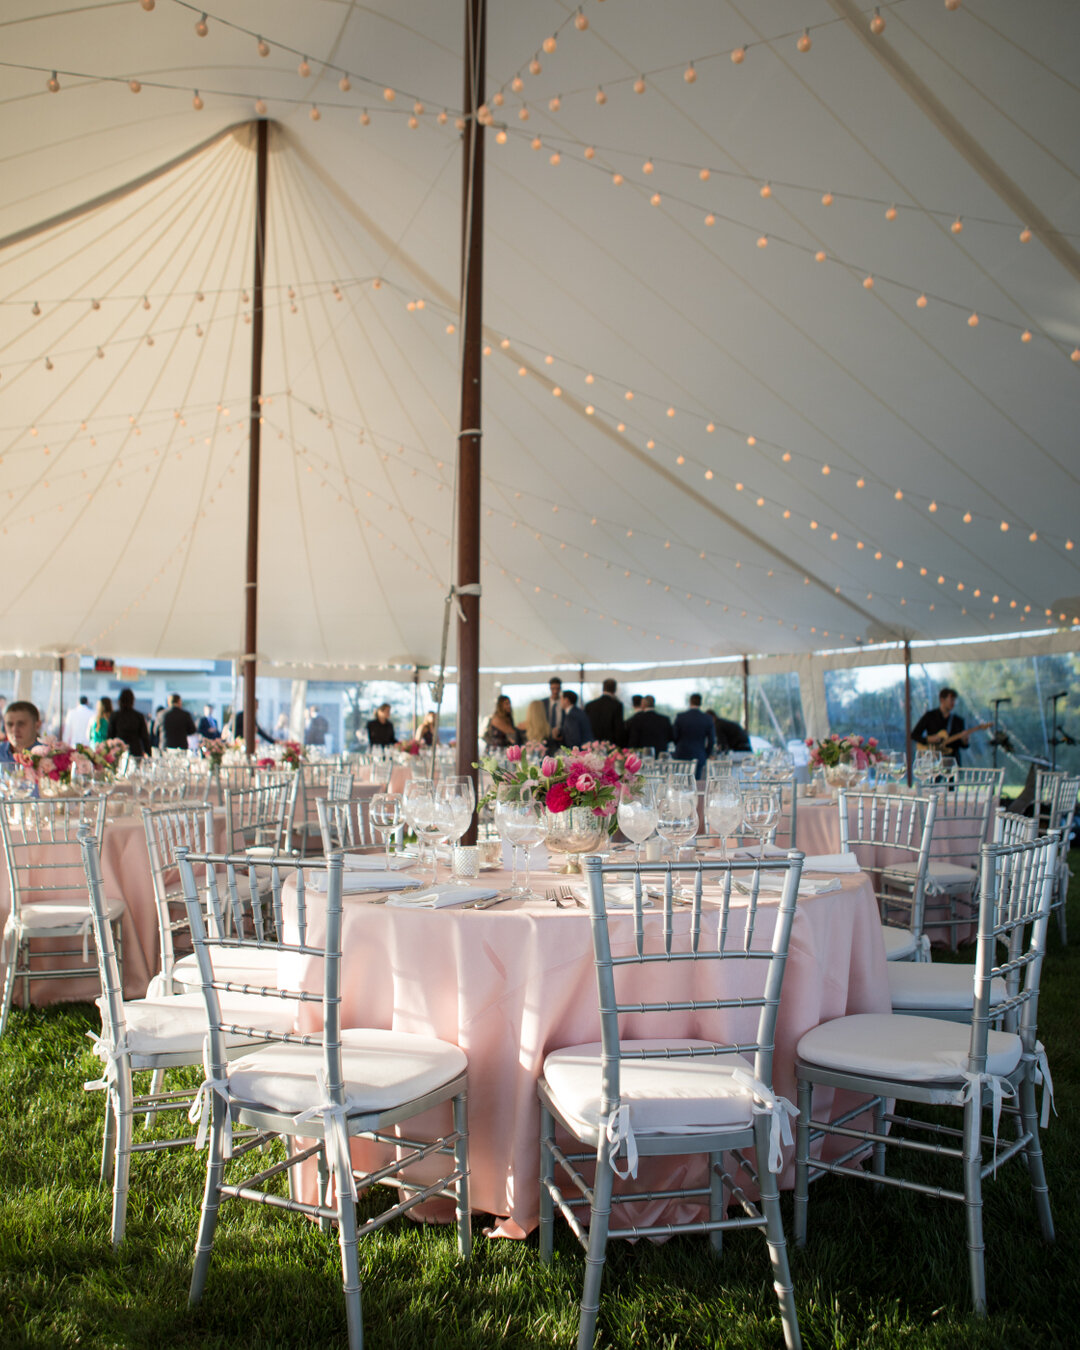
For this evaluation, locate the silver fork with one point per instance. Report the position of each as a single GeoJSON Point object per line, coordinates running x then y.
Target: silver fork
{"type": "Point", "coordinates": [568, 893]}
{"type": "Point", "coordinates": [553, 894]}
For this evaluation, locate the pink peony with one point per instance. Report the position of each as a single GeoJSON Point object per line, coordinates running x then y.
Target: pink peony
{"type": "Point", "coordinates": [558, 798]}
{"type": "Point", "coordinates": [46, 765]}
{"type": "Point", "coordinates": [513, 753]}
{"type": "Point", "coordinates": [548, 767]}
{"type": "Point", "coordinates": [633, 765]}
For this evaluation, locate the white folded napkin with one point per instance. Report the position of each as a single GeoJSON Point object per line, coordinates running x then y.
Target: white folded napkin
{"type": "Point", "coordinates": [375, 862]}
{"type": "Point", "coordinates": [772, 883]}
{"type": "Point", "coordinates": [753, 851]}
{"type": "Point", "coordinates": [357, 883]}
{"type": "Point", "coordinates": [830, 862]}
{"type": "Point", "coordinates": [443, 896]}
{"type": "Point", "coordinates": [619, 897]}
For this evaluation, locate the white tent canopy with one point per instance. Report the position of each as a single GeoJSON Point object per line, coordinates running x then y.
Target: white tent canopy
{"type": "Point", "coordinates": [698, 439]}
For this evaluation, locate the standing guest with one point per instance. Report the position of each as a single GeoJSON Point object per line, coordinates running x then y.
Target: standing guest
{"type": "Point", "coordinates": [380, 730]}
{"type": "Point", "coordinates": [575, 729]}
{"type": "Point", "coordinates": [605, 715]}
{"type": "Point", "coordinates": [155, 727]}
{"type": "Point", "coordinates": [281, 727]}
{"type": "Point", "coordinates": [648, 728]}
{"type": "Point", "coordinates": [695, 735]}
{"type": "Point", "coordinates": [536, 726]}
{"type": "Point", "coordinates": [425, 732]}
{"type": "Point", "coordinates": [635, 704]}
{"type": "Point", "coordinates": [99, 727]}
{"type": "Point", "coordinates": [317, 727]}
{"type": "Point", "coordinates": [553, 707]}
{"type": "Point", "coordinates": [127, 724]}
{"type": "Point", "coordinates": [729, 735]}
{"type": "Point", "coordinates": [78, 721]}
{"type": "Point", "coordinates": [238, 726]}
{"type": "Point", "coordinates": [22, 728]}
{"type": "Point", "coordinates": [176, 726]}
{"type": "Point", "coordinates": [3, 706]}
{"type": "Point", "coordinates": [208, 726]}
{"type": "Point", "coordinates": [501, 731]}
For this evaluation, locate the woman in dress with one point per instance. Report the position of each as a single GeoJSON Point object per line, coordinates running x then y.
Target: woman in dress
{"type": "Point", "coordinates": [501, 731]}
{"type": "Point", "coordinates": [99, 727]}
{"type": "Point", "coordinates": [129, 725]}
{"type": "Point", "coordinates": [537, 727]}
{"type": "Point", "coordinates": [425, 732]}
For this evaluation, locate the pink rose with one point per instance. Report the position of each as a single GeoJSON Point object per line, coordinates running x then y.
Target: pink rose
{"type": "Point", "coordinates": [558, 798]}
{"type": "Point", "coordinates": [586, 782]}
{"type": "Point", "coordinates": [872, 742]}
{"type": "Point", "coordinates": [513, 753]}
{"type": "Point", "coordinates": [548, 767]}
{"type": "Point", "coordinates": [633, 764]}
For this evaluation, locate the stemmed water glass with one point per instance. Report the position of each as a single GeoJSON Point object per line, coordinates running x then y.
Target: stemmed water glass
{"type": "Point", "coordinates": [385, 817]}
{"type": "Point", "coordinates": [723, 810]}
{"type": "Point", "coordinates": [761, 811]}
{"type": "Point", "coordinates": [521, 822]}
{"type": "Point", "coordinates": [416, 790]}
{"type": "Point", "coordinates": [895, 766]}
{"type": "Point", "coordinates": [457, 794]}
{"type": "Point", "coordinates": [638, 815]}
{"type": "Point", "coordinates": [677, 821]}
{"type": "Point", "coordinates": [927, 767]}
{"type": "Point", "coordinates": [433, 820]}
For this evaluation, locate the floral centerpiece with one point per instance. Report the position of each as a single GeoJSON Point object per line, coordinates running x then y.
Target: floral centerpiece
{"type": "Point", "coordinates": [214, 748]}
{"type": "Point", "coordinates": [843, 758]}
{"type": "Point", "coordinates": [104, 757]}
{"type": "Point", "coordinates": [579, 789]}
{"type": "Point", "coordinates": [290, 756]}
{"type": "Point", "coordinates": [52, 764]}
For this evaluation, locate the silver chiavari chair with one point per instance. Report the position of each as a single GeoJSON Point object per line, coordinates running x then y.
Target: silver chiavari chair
{"type": "Point", "coordinates": [256, 817]}
{"type": "Point", "coordinates": [167, 828]}
{"type": "Point", "coordinates": [989, 778]}
{"type": "Point", "coordinates": [332, 1085]}
{"type": "Point", "coordinates": [627, 1099]}
{"type": "Point", "coordinates": [47, 888]}
{"type": "Point", "coordinates": [316, 781]}
{"type": "Point", "coordinates": [151, 1035]}
{"type": "Point", "coordinates": [1013, 829]}
{"type": "Point", "coordinates": [341, 825]}
{"type": "Point", "coordinates": [886, 834]}
{"type": "Point", "coordinates": [1060, 815]}
{"type": "Point", "coordinates": [936, 1062]}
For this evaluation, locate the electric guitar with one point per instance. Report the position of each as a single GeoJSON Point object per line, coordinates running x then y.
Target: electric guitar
{"type": "Point", "coordinates": [942, 738]}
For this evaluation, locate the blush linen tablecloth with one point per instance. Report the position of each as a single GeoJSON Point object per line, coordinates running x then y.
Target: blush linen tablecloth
{"type": "Point", "coordinates": [512, 983]}
{"type": "Point", "coordinates": [125, 868]}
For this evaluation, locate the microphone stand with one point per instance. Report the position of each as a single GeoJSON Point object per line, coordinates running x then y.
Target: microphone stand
{"type": "Point", "coordinates": [1060, 735]}
{"type": "Point", "coordinates": [996, 738]}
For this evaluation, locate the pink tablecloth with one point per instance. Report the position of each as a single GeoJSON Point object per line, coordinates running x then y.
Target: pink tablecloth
{"type": "Point", "coordinates": [511, 984]}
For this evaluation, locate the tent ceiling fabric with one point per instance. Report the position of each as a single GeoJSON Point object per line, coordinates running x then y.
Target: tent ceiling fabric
{"type": "Point", "coordinates": [125, 328]}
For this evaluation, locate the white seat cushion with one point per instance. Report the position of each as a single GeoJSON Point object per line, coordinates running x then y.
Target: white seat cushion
{"type": "Point", "coordinates": [919, 984]}
{"type": "Point", "coordinates": [938, 871]}
{"type": "Point", "coordinates": [178, 1024]}
{"type": "Point", "coordinates": [238, 965]}
{"type": "Point", "coordinates": [382, 1069]}
{"type": "Point", "coordinates": [900, 943]}
{"type": "Point", "coordinates": [904, 1049]}
{"type": "Point", "coordinates": [665, 1096]}
{"type": "Point", "coordinates": [45, 914]}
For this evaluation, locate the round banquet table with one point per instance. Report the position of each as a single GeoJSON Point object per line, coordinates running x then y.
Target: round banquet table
{"type": "Point", "coordinates": [125, 869]}
{"type": "Point", "coordinates": [512, 983]}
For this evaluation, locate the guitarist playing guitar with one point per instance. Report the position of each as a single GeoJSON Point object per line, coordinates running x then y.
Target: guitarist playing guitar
{"type": "Point", "coordinates": [943, 727]}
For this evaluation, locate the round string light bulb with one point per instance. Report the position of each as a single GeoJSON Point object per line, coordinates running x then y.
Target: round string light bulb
{"type": "Point", "coordinates": [827, 199]}
{"type": "Point", "coordinates": [443, 118]}
{"type": "Point", "coordinates": [197, 102]}
{"type": "Point", "coordinates": [921, 302]}
{"type": "Point", "coordinates": [765, 190]}
{"type": "Point", "coordinates": [517, 84]}
{"type": "Point", "coordinates": [690, 74]}
{"type": "Point", "coordinates": [704, 175]}
{"type": "Point", "coordinates": [389, 94]}
{"type": "Point", "coordinates": [804, 44]}
{"type": "Point", "coordinates": [135, 86]}
{"type": "Point", "coordinates": [1074, 355]}
{"type": "Point", "coordinates": [523, 113]}
{"type": "Point", "coordinates": [648, 166]}
{"type": "Point", "coordinates": [554, 104]}
{"type": "Point", "coordinates": [710, 219]}
{"type": "Point", "coordinates": [639, 85]}
{"type": "Point", "coordinates": [556, 158]}
{"type": "Point", "coordinates": [500, 137]}
{"type": "Point", "coordinates": [580, 22]}
{"type": "Point", "coordinates": [751, 440]}
{"type": "Point", "coordinates": [952, 5]}
{"type": "Point", "coordinates": [35, 308]}
{"type": "Point", "coordinates": [973, 320]}
{"type": "Point", "coordinates": [601, 97]}
{"type": "Point", "coordinates": [957, 226]}
{"type": "Point", "coordinates": [763, 241]}
{"type": "Point", "coordinates": [877, 24]}
{"type": "Point", "coordinates": [304, 68]}
{"type": "Point", "coordinates": [819, 256]}
{"type": "Point", "coordinates": [418, 108]}
{"type": "Point", "coordinates": [498, 99]}
{"type": "Point", "coordinates": [1004, 527]}
{"type": "Point", "coordinates": [535, 67]}
{"type": "Point", "coordinates": [148, 5]}
{"type": "Point", "coordinates": [550, 44]}
{"type": "Point", "coordinates": [202, 27]}
{"type": "Point", "coordinates": [868, 283]}
{"type": "Point", "coordinates": [344, 84]}
{"type": "Point", "coordinates": [589, 152]}
{"type": "Point", "coordinates": [314, 114]}
{"type": "Point", "coordinates": [617, 179]}
{"type": "Point", "coordinates": [365, 118]}
{"type": "Point", "coordinates": [263, 48]}
{"type": "Point", "coordinates": [890, 214]}
{"type": "Point", "coordinates": [738, 56]}
{"type": "Point", "coordinates": [535, 143]}
{"type": "Point", "coordinates": [260, 107]}
{"type": "Point", "coordinates": [52, 84]}
{"type": "Point", "coordinates": [1025, 235]}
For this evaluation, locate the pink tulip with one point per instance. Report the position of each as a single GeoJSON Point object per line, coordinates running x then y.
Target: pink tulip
{"type": "Point", "coordinates": [513, 753]}
{"type": "Point", "coordinates": [632, 764]}
{"type": "Point", "coordinates": [548, 767]}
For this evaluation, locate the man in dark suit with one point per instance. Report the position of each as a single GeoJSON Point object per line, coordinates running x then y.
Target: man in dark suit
{"type": "Point", "coordinates": [605, 715]}
{"type": "Point", "coordinates": [553, 707]}
{"type": "Point", "coordinates": [729, 735]}
{"type": "Point", "coordinates": [208, 726]}
{"type": "Point", "coordinates": [575, 725]}
{"type": "Point", "coordinates": [238, 727]}
{"type": "Point", "coordinates": [695, 735]}
{"type": "Point", "coordinates": [648, 728]}
{"type": "Point", "coordinates": [176, 726]}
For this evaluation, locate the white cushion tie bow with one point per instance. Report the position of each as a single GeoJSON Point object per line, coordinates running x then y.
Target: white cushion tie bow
{"type": "Point", "coordinates": [209, 1088]}
{"type": "Point", "coordinates": [780, 1111]}
{"type": "Point", "coordinates": [1042, 1075]}
{"type": "Point", "coordinates": [1000, 1088]}
{"type": "Point", "coordinates": [336, 1135]}
{"type": "Point", "coordinates": [113, 1057]}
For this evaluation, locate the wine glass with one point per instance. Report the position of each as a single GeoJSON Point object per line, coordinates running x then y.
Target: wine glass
{"type": "Point", "coordinates": [677, 821]}
{"type": "Point", "coordinates": [458, 795]}
{"type": "Point", "coordinates": [433, 820]}
{"type": "Point", "coordinates": [896, 766]}
{"type": "Point", "coordinates": [384, 815]}
{"type": "Point", "coordinates": [638, 815]}
{"type": "Point", "coordinates": [761, 811]}
{"type": "Point", "coordinates": [520, 820]}
{"type": "Point", "coordinates": [414, 791]}
{"type": "Point", "coordinates": [723, 810]}
{"type": "Point", "coordinates": [948, 768]}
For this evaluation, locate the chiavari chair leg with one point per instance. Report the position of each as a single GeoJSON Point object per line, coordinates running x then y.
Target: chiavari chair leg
{"type": "Point", "coordinates": [774, 1235]}
{"type": "Point", "coordinates": [802, 1160]}
{"type": "Point", "coordinates": [9, 977]}
{"type": "Point", "coordinates": [350, 1265]}
{"type": "Point", "coordinates": [157, 1082]}
{"type": "Point", "coordinates": [461, 1164]}
{"type": "Point", "coordinates": [973, 1200]}
{"type": "Point", "coordinates": [108, 1142]}
{"type": "Point", "coordinates": [324, 1186]}
{"type": "Point", "coordinates": [716, 1201]}
{"type": "Point", "coordinates": [1034, 1158]}
{"type": "Point", "coordinates": [122, 1157]}
{"type": "Point", "coordinates": [547, 1174]}
{"type": "Point", "coordinates": [211, 1205]}
{"type": "Point", "coordinates": [877, 1164]}
{"type": "Point", "coordinates": [599, 1219]}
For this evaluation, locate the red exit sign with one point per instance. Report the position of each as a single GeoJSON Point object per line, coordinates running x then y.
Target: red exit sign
{"type": "Point", "coordinates": [104, 665]}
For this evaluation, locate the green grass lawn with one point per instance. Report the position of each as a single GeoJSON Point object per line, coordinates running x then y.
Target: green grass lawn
{"type": "Point", "coordinates": [879, 1271]}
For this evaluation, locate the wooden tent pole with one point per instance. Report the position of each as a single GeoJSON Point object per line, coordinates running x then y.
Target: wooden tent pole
{"type": "Point", "coordinates": [468, 505]}
{"type": "Point", "coordinates": [907, 709]}
{"type": "Point", "coordinates": [746, 693]}
{"type": "Point", "coordinates": [251, 580]}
